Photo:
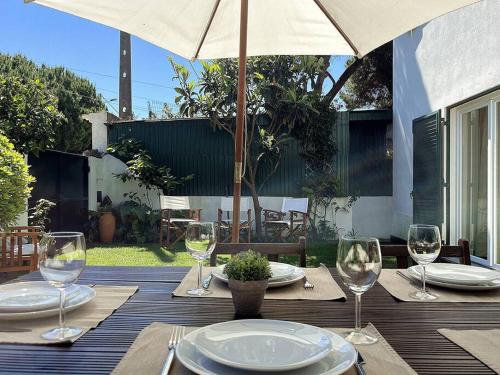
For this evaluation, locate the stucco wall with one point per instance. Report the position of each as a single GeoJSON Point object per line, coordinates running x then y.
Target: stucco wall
{"type": "Point", "coordinates": [444, 62]}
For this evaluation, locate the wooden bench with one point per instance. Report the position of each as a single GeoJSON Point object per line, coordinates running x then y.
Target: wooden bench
{"type": "Point", "coordinates": [272, 250]}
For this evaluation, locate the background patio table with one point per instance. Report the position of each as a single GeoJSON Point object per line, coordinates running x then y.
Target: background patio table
{"type": "Point", "coordinates": [411, 328]}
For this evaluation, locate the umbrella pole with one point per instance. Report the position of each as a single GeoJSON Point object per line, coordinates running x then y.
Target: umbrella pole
{"type": "Point", "coordinates": [240, 119]}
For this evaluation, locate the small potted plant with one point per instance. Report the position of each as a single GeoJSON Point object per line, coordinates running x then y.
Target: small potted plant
{"type": "Point", "coordinates": [248, 273]}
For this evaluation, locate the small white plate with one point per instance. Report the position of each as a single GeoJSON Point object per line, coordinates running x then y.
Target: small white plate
{"type": "Point", "coordinates": [31, 296]}
{"type": "Point", "coordinates": [485, 286]}
{"type": "Point", "coordinates": [263, 356]}
{"type": "Point", "coordinates": [458, 273]}
{"type": "Point", "coordinates": [75, 301]}
{"type": "Point", "coordinates": [278, 270]}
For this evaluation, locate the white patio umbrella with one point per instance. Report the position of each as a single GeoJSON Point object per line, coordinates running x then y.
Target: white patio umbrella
{"type": "Point", "coordinates": [208, 29]}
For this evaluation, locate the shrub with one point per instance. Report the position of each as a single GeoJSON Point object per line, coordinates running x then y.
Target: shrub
{"type": "Point", "coordinates": [15, 182]}
{"type": "Point", "coordinates": [248, 266]}
{"type": "Point", "coordinates": [40, 213]}
{"type": "Point", "coordinates": [138, 222]}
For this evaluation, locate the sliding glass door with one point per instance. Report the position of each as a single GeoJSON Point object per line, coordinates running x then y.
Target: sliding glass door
{"type": "Point", "coordinates": [477, 179]}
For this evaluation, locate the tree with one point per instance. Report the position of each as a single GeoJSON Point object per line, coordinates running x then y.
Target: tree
{"type": "Point", "coordinates": [370, 86]}
{"type": "Point", "coordinates": [75, 96]}
{"type": "Point", "coordinates": [15, 183]}
{"type": "Point", "coordinates": [285, 100]}
{"type": "Point", "coordinates": [28, 114]}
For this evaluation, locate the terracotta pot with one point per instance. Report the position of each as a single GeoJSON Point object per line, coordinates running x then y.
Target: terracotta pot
{"type": "Point", "coordinates": [107, 227]}
{"type": "Point", "coordinates": [248, 296]}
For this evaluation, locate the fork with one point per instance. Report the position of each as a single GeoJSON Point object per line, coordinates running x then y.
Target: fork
{"type": "Point", "coordinates": [307, 284]}
{"type": "Point", "coordinates": [176, 336]}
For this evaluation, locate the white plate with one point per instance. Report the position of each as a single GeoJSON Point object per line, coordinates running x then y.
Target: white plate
{"type": "Point", "coordinates": [263, 345]}
{"type": "Point", "coordinates": [31, 296]}
{"type": "Point", "coordinates": [458, 273]}
{"type": "Point", "coordinates": [75, 301]}
{"type": "Point", "coordinates": [338, 360]}
{"type": "Point", "coordinates": [278, 270]}
{"type": "Point", "coordinates": [485, 286]}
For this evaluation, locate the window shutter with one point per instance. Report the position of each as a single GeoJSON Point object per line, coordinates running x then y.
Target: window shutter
{"type": "Point", "coordinates": [427, 170]}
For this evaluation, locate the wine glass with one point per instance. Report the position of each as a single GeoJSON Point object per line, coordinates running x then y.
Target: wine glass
{"type": "Point", "coordinates": [359, 263]}
{"type": "Point", "coordinates": [200, 243]}
{"type": "Point", "coordinates": [424, 245]}
{"type": "Point", "coordinates": [61, 261]}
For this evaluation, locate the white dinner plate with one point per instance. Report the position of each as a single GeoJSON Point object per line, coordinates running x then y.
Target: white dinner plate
{"type": "Point", "coordinates": [340, 356]}
{"type": "Point", "coordinates": [485, 286]}
{"type": "Point", "coordinates": [75, 301]}
{"type": "Point", "coordinates": [296, 275]}
{"type": "Point", "coordinates": [31, 296]}
{"type": "Point", "coordinates": [458, 273]}
{"type": "Point", "coordinates": [278, 271]}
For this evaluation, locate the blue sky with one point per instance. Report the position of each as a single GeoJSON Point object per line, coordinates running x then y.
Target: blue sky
{"type": "Point", "coordinates": [92, 50]}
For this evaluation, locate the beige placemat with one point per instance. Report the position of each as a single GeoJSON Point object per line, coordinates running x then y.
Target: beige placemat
{"type": "Point", "coordinates": [107, 300]}
{"type": "Point", "coordinates": [482, 344]}
{"type": "Point", "coordinates": [400, 288]}
{"type": "Point", "coordinates": [325, 287]}
{"type": "Point", "coordinates": [149, 351]}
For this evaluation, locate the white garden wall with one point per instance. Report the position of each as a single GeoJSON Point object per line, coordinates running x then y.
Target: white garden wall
{"type": "Point", "coordinates": [448, 60]}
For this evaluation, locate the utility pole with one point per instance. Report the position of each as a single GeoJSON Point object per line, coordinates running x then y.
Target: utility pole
{"type": "Point", "coordinates": [125, 101]}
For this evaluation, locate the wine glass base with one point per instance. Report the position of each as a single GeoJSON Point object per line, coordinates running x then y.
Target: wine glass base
{"type": "Point", "coordinates": [422, 296]}
{"type": "Point", "coordinates": [199, 292]}
{"type": "Point", "coordinates": [359, 338]}
{"type": "Point", "coordinates": [61, 334]}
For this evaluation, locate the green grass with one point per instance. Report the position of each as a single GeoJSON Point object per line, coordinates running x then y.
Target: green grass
{"type": "Point", "coordinates": [154, 255]}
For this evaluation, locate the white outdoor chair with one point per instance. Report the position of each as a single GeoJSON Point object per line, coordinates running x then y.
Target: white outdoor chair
{"type": "Point", "coordinates": [290, 222]}
{"type": "Point", "coordinates": [225, 224]}
{"type": "Point", "coordinates": [176, 214]}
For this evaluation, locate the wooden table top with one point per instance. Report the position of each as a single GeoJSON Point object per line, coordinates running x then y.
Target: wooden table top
{"type": "Point", "coordinates": [410, 327]}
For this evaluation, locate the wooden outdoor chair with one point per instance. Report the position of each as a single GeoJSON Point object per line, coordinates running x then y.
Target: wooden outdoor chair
{"type": "Point", "coordinates": [19, 249]}
{"type": "Point", "coordinates": [290, 222]}
{"type": "Point", "coordinates": [225, 224]}
{"type": "Point", "coordinates": [176, 214]}
{"type": "Point", "coordinates": [461, 252]}
{"type": "Point", "coordinates": [272, 250]}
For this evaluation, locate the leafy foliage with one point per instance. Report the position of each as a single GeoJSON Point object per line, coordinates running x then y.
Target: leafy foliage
{"type": "Point", "coordinates": [370, 86]}
{"type": "Point", "coordinates": [75, 96]}
{"type": "Point", "coordinates": [248, 266]}
{"type": "Point", "coordinates": [141, 167]}
{"type": "Point", "coordinates": [40, 213]}
{"type": "Point", "coordinates": [286, 99]}
{"type": "Point", "coordinates": [138, 222]}
{"type": "Point", "coordinates": [15, 182]}
{"type": "Point", "coordinates": [28, 114]}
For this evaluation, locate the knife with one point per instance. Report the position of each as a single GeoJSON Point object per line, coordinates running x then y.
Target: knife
{"type": "Point", "coordinates": [206, 283]}
{"type": "Point", "coordinates": [359, 365]}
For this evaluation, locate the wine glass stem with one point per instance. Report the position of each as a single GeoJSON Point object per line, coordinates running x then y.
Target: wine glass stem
{"type": "Point", "coordinates": [423, 280]}
{"type": "Point", "coordinates": [358, 312]}
{"type": "Point", "coordinates": [61, 311]}
{"type": "Point", "coordinates": [200, 274]}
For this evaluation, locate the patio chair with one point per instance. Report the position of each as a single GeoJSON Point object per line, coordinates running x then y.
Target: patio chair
{"type": "Point", "coordinates": [449, 253]}
{"type": "Point", "coordinates": [225, 224]}
{"type": "Point", "coordinates": [19, 249]}
{"type": "Point", "coordinates": [272, 250]}
{"type": "Point", "coordinates": [176, 214]}
{"type": "Point", "coordinates": [290, 222]}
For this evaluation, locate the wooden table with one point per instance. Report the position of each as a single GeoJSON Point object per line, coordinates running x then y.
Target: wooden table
{"type": "Point", "coordinates": [409, 327]}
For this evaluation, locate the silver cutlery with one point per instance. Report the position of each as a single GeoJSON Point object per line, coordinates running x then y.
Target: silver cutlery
{"type": "Point", "coordinates": [359, 364]}
{"type": "Point", "coordinates": [206, 282]}
{"type": "Point", "coordinates": [177, 335]}
{"type": "Point", "coordinates": [307, 284]}
{"type": "Point", "coordinates": [409, 279]}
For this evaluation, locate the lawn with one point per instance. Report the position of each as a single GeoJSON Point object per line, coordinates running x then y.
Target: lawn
{"type": "Point", "coordinates": [154, 255]}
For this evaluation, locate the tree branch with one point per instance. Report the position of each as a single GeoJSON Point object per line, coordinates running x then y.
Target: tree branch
{"type": "Point", "coordinates": [341, 81]}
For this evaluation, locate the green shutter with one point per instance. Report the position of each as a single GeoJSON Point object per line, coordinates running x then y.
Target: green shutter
{"type": "Point", "coordinates": [427, 170]}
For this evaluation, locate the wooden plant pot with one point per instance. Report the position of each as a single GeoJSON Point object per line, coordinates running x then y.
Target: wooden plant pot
{"type": "Point", "coordinates": [248, 296]}
{"type": "Point", "coordinates": [107, 227]}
